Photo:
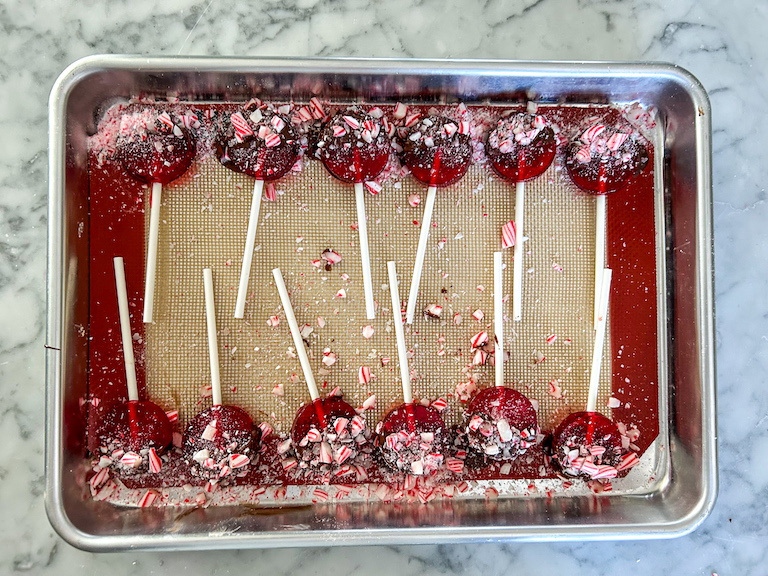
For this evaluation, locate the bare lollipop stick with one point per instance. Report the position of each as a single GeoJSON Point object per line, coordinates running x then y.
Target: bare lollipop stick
{"type": "Point", "coordinates": [298, 341]}
{"type": "Point", "coordinates": [125, 330]}
{"type": "Point", "coordinates": [418, 265]}
{"type": "Point", "coordinates": [362, 228]}
{"type": "Point", "coordinates": [250, 241]}
{"type": "Point", "coordinates": [151, 273]}
{"type": "Point", "coordinates": [213, 344]}
{"type": "Point", "coordinates": [517, 265]}
{"type": "Point", "coordinates": [599, 250]}
{"type": "Point", "coordinates": [402, 354]}
{"type": "Point", "coordinates": [498, 313]}
{"type": "Point", "coordinates": [597, 354]}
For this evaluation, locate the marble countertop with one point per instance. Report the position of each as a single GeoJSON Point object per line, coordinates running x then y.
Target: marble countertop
{"type": "Point", "coordinates": [719, 42]}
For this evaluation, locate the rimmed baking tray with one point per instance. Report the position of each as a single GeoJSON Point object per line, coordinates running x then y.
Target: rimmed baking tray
{"type": "Point", "coordinates": [684, 490]}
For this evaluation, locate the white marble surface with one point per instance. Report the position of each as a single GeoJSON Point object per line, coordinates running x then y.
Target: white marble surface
{"type": "Point", "coordinates": [723, 43]}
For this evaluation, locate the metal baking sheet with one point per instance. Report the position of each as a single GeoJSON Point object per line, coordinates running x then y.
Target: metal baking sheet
{"type": "Point", "coordinates": [685, 452]}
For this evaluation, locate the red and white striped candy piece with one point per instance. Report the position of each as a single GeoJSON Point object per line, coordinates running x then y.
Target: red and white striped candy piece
{"type": "Point", "coordinates": [343, 454]}
{"type": "Point", "coordinates": [478, 315]}
{"type": "Point", "coordinates": [264, 131]}
{"type": "Point", "coordinates": [148, 499]}
{"type": "Point", "coordinates": [583, 155]}
{"type": "Point", "coordinates": [304, 113]}
{"type": "Point", "coordinates": [551, 338]}
{"type": "Point", "coordinates": [352, 122]}
{"type": "Point", "coordinates": [173, 416]}
{"type": "Point", "coordinates": [165, 120]}
{"type": "Point", "coordinates": [628, 461]}
{"type": "Point", "coordinates": [314, 435]}
{"type": "Point", "coordinates": [411, 119]}
{"type": "Point", "coordinates": [591, 133]}
{"type": "Point", "coordinates": [474, 423]}
{"type": "Point", "coordinates": [368, 332]}
{"type": "Point", "coordinates": [99, 478]}
{"type": "Point", "coordinates": [155, 463]}
{"type": "Point", "coordinates": [240, 124]}
{"type": "Point", "coordinates": [450, 128]}
{"type": "Point", "coordinates": [319, 495]}
{"type": "Point", "coordinates": [440, 404]}
{"type": "Point", "coordinates": [340, 425]}
{"type": "Point", "coordinates": [615, 141]}
{"type": "Point", "coordinates": [400, 111]}
{"type": "Point", "coordinates": [597, 450]}
{"type": "Point", "coordinates": [605, 471]}
{"type": "Point", "coordinates": [272, 140]}
{"type": "Point", "coordinates": [277, 123]}
{"type": "Point", "coordinates": [210, 431]}
{"type": "Point", "coordinates": [364, 375]}
{"type": "Point", "coordinates": [505, 146]}
{"type": "Point", "coordinates": [224, 471]}
{"type": "Point", "coordinates": [508, 235]}
{"type": "Point", "coordinates": [373, 187]}
{"type": "Point", "coordinates": [209, 463]}
{"type": "Point", "coordinates": [480, 339]}
{"type": "Point", "coordinates": [454, 464]}
{"type": "Point", "coordinates": [317, 108]}
{"type": "Point", "coordinates": [131, 460]}
{"type": "Point", "coordinates": [326, 455]}
{"type": "Point", "coordinates": [339, 131]}
{"type": "Point", "coordinates": [464, 127]}
{"type": "Point", "coordinates": [358, 425]}
{"type": "Point", "coordinates": [289, 464]}
{"type": "Point", "coordinates": [266, 429]}
{"type": "Point", "coordinates": [239, 460]}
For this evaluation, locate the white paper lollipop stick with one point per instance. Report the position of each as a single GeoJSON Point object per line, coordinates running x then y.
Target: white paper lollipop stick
{"type": "Point", "coordinates": [418, 265]}
{"type": "Point", "coordinates": [250, 240]}
{"type": "Point", "coordinates": [498, 313]}
{"type": "Point", "coordinates": [517, 265]}
{"type": "Point", "coordinates": [599, 250]}
{"type": "Point", "coordinates": [402, 353]}
{"type": "Point", "coordinates": [151, 273]}
{"type": "Point", "coordinates": [362, 228]}
{"type": "Point", "coordinates": [125, 330]}
{"type": "Point", "coordinates": [597, 353]}
{"type": "Point", "coordinates": [213, 343]}
{"type": "Point", "coordinates": [298, 341]}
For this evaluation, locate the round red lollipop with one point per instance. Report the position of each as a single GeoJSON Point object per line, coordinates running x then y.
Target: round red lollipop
{"type": "Point", "coordinates": [261, 143]}
{"type": "Point", "coordinates": [354, 147]}
{"type": "Point", "coordinates": [133, 433]}
{"type": "Point", "coordinates": [220, 442]}
{"type": "Point", "coordinates": [156, 149]}
{"type": "Point", "coordinates": [588, 445]}
{"type": "Point", "coordinates": [501, 423]}
{"type": "Point", "coordinates": [438, 152]}
{"type": "Point", "coordinates": [520, 148]}
{"type": "Point", "coordinates": [328, 432]}
{"type": "Point", "coordinates": [604, 158]}
{"type": "Point", "coordinates": [412, 437]}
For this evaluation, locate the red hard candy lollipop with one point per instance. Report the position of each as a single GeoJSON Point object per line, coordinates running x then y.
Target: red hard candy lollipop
{"type": "Point", "coordinates": [155, 148]}
{"type": "Point", "coordinates": [604, 158]}
{"type": "Point", "coordinates": [412, 438]}
{"type": "Point", "coordinates": [588, 445]}
{"type": "Point", "coordinates": [437, 150]}
{"type": "Point", "coordinates": [220, 441]}
{"type": "Point", "coordinates": [135, 426]}
{"type": "Point", "coordinates": [354, 146]}
{"type": "Point", "coordinates": [327, 431]}
{"type": "Point", "coordinates": [258, 142]}
{"type": "Point", "coordinates": [501, 423]}
{"type": "Point", "coordinates": [521, 147]}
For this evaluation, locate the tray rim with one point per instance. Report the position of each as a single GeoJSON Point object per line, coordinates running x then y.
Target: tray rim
{"type": "Point", "coordinates": [84, 67]}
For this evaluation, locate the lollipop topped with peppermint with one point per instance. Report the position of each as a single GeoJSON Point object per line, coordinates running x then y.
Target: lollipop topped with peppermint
{"type": "Point", "coordinates": [354, 147]}
{"type": "Point", "coordinates": [221, 441]}
{"type": "Point", "coordinates": [154, 149]}
{"type": "Point", "coordinates": [412, 437]}
{"type": "Point", "coordinates": [501, 422]}
{"type": "Point", "coordinates": [587, 444]}
{"type": "Point", "coordinates": [260, 142]}
{"type": "Point", "coordinates": [135, 433]}
{"type": "Point", "coordinates": [603, 158]}
{"type": "Point", "coordinates": [437, 150]}
{"type": "Point", "coordinates": [520, 148]}
{"type": "Point", "coordinates": [328, 432]}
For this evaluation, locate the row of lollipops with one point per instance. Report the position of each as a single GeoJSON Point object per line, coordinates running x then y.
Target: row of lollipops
{"type": "Point", "coordinates": [329, 435]}
{"type": "Point", "coordinates": [355, 145]}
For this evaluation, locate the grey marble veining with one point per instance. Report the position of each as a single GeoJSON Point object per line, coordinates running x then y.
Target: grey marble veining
{"type": "Point", "coordinates": [722, 43]}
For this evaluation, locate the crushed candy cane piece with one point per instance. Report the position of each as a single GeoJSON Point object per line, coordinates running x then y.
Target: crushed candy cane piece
{"type": "Point", "coordinates": [508, 235]}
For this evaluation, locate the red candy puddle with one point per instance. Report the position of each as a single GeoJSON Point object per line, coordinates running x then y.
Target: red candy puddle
{"type": "Point", "coordinates": [117, 223]}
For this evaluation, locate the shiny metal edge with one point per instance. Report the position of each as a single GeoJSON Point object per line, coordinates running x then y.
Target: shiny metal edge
{"type": "Point", "coordinates": [350, 66]}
